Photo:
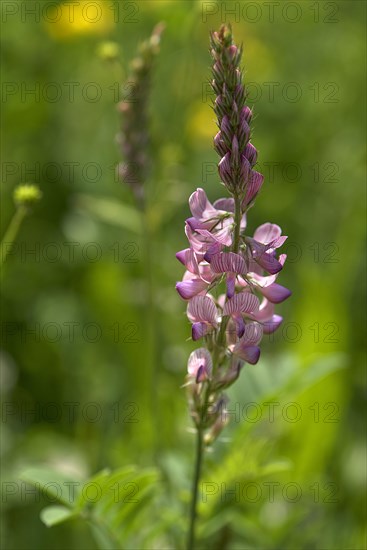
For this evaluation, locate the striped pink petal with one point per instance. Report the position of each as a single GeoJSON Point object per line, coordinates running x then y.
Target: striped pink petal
{"type": "Point", "coordinates": [199, 330]}
{"type": "Point", "coordinates": [253, 334]}
{"type": "Point", "coordinates": [240, 324]}
{"type": "Point", "coordinates": [230, 284]}
{"type": "Point", "coordinates": [202, 309]}
{"type": "Point", "coordinates": [228, 262]}
{"type": "Point", "coordinates": [243, 302]}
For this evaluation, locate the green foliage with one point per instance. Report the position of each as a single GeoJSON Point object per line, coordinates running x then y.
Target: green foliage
{"type": "Point", "coordinates": [311, 153]}
{"type": "Point", "coordinates": [114, 504]}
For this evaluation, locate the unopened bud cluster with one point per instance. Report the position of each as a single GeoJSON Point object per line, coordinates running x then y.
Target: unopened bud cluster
{"type": "Point", "coordinates": [232, 142]}
{"type": "Point", "coordinates": [134, 137]}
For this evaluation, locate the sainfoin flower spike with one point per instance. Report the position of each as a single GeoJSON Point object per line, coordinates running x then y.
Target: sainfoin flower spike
{"type": "Point", "coordinates": [133, 137]}
{"type": "Point", "coordinates": [230, 283]}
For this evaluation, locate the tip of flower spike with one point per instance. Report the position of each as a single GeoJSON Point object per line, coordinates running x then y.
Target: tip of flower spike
{"type": "Point", "coordinates": [225, 34]}
{"type": "Point", "coordinates": [156, 34]}
{"type": "Point", "coordinates": [27, 194]}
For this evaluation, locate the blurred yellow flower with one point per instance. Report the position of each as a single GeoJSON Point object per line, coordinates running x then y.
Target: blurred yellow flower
{"type": "Point", "coordinates": [201, 123]}
{"type": "Point", "coordinates": [82, 17]}
{"type": "Point", "coordinates": [257, 59]}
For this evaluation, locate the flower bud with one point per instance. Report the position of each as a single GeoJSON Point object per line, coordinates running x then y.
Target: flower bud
{"type": "Point", "coordinates": [27, 194]}
{"type": "Point", "coordinates": [108, 51]}
{"type": "Point", "coordinates": [224, 169]}
{"type": "Point", "coordinates": [219, 144]}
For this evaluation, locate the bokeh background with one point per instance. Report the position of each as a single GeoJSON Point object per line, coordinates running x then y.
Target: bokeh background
{"type": "Point", "coordinates": [82, 386]}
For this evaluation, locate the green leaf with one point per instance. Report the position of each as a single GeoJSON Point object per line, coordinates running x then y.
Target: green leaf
{"type": "Point", "coordinates": [53, 515]}
{"type": "Point", "coordinates": [276, 467]}
{"type": "Point", "coordinates": [100, 479]}
{"type": "Point", "coordinates": [103, 538]}
{"type": "Point", "coordinates": [109, 487]}
{"type": "Point", "coordinates": [56, 485]}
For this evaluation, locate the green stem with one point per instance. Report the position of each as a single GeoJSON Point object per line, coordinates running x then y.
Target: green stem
{"type": "Point", "coordinates": [11, 232]}
{"type": "Point", "coordinates": [151, 382]}
{"type": "Point", "coordinates": [195, 487]}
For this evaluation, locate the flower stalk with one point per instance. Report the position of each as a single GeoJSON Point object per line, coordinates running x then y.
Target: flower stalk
{"type": "Point", "coordinates": [229, 283]}
{"type": "Point", "coordinates": [25, 196]}
{"type": "Point", "coordinates": [136, 171]}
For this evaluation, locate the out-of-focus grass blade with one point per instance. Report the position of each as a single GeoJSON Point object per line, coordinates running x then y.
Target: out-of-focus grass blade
{"type": "Point", "coordinates": [110, 211]}
{"type": "Point", "coordinates": [53, 515]}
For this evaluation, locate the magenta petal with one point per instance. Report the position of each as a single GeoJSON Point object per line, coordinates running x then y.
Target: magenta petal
{"type": "Point", "coordinates": [224, 169]}
{"type": "Point", "coordinates": [226, 205]}
{"type": "Point", "coordinates": [251, 153]}
{"type": "Point", "coordinates": [269, 262]}
{"type": "Point", "coordinates": [243, 302]}
{"type": "Point", "coordinates": [213, 249]}
{"type": "Point", "coordinates": [275, 293]}
{"type": "Point", "coordinates": [199, 330]}
{"type": "Point", "coordinates": [246, 114]}
{"type": "Point", "coordinates": [202, 308]}
{"type": "Point", "coordinates": [231, 284]}
{"type": "Point", "coordinates": [189, 289]}
{"type": "Point", "coordinates": [228, 262]}
{"type": "Point", "coordinates": [240, 324]}
{"type": "Point", "coordinates": [223, 236]}
{"type": "Point", "coordinates": [271, 326]}
{"type": "Point", "coordinates": [247, 352]}
{"type": "Point", "coordinates": [188, 259]}
{"type": "Point", "coordinates": [251, 354]}
{"type": "Point", "coordinates": [245, 170]}
{"type": "Point", "coordinates": [253, 187]}
{"type": "Point", "coordinates": [195, 224]}
{"type": "Point", "coordinates": [196, 241]}
{"type": "Point", "coordinates": [201, 374]}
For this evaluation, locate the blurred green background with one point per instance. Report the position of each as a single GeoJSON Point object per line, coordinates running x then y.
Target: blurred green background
{"type": "Point", "coordinates": [75, 345]}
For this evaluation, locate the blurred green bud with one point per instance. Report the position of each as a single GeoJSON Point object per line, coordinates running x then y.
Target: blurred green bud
{"type": "Point", "coordinates": [27, 194]}
{"type": "Point", "coordinates": [108, 51]}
